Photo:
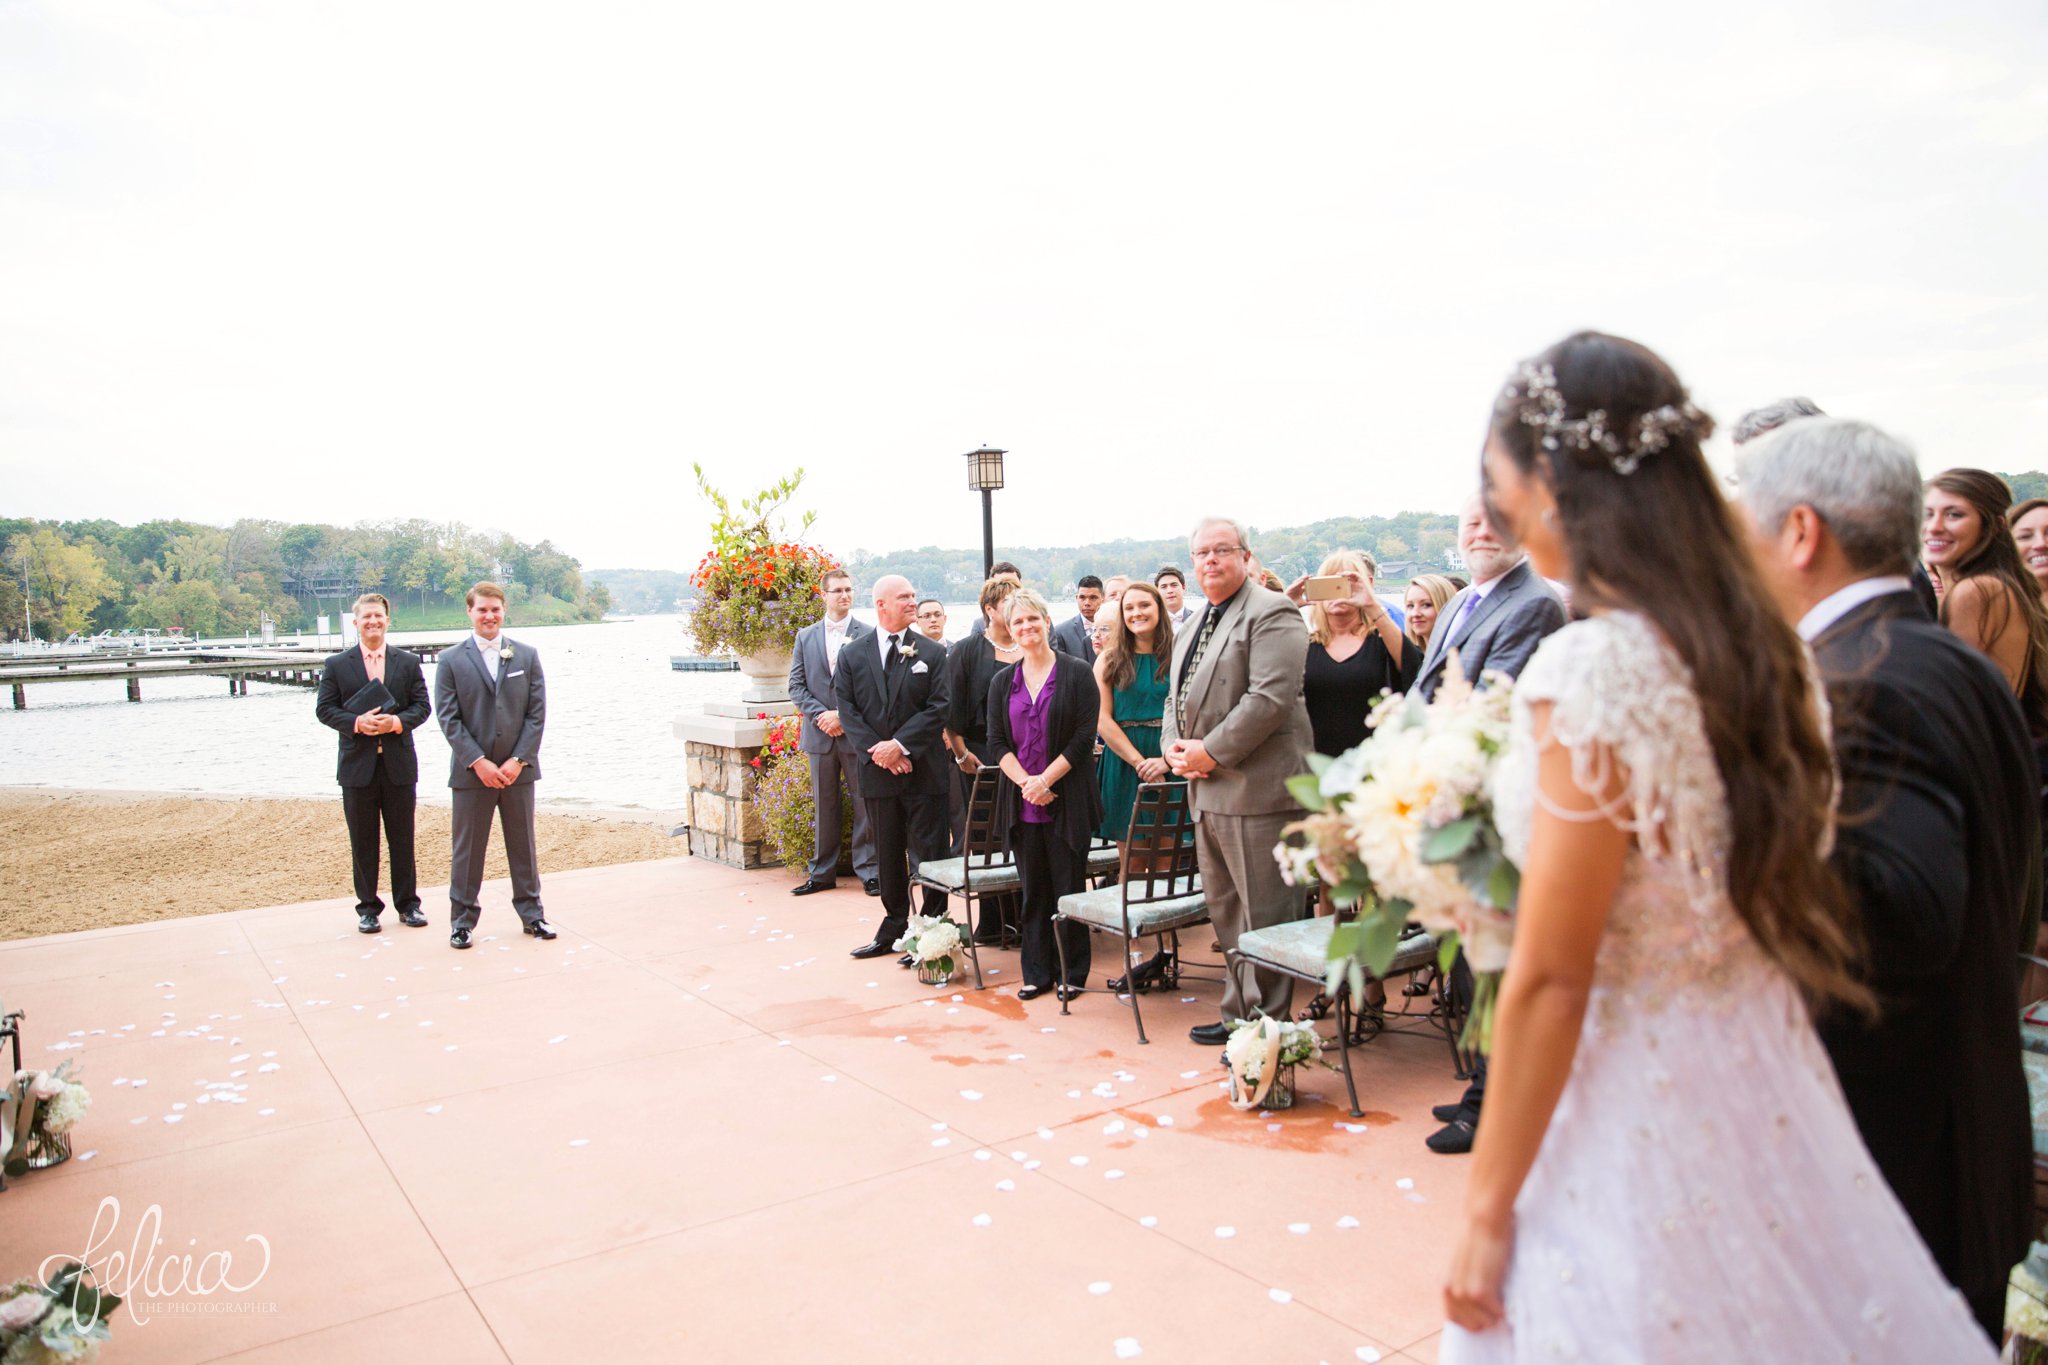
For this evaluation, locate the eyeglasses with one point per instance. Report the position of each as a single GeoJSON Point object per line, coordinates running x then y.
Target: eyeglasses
{"type": "Point", "coordinates": [1219, 552]}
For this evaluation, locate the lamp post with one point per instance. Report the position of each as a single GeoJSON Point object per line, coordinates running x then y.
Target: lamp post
{"type": "Point", "coordinates": [985, 476]}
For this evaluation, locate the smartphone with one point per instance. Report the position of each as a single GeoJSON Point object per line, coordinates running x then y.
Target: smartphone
{"type": "Point", "coordinates": [1326, 588]}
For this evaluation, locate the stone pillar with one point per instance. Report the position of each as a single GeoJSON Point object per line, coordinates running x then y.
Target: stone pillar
{"type": "Point", "coordinates": [718, 744]}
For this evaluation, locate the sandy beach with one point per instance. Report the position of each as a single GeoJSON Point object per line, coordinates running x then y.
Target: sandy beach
{"type": "Point", "coordinates": [73, 859]}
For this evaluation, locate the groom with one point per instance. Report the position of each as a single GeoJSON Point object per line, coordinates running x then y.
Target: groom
{"type": "Point", "coordinates": [891, 690]}
{"type": "Point", "coordinates": [493, 705]}
{"type": "Point", "coordinates": [1938, 841]}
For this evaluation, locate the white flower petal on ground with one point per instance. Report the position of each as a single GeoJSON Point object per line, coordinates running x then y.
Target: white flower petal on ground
{"type": "Point", "coordinates": [1077, 1161]}
{"type": "Point", "coordinates": [1148, 1221]}
{"type": "Point", "coordinates": [970, 1094]}
{"type": "Point", "coordinates": [1226, 1232]}
{"type": "Point", "coordinates": [1368, 1354]}
{"type": "Point", "coordinates": [1279, 1296]}
{"type": "Point", "coordinates": [1100, 1287]}
{"type": "Point", "coordinates": [1112, 1175]}
{"type": "Point", "coordinates": [1127, 1348]}
{"type": "Point", "coordinates": [1164, 1121]}
{"type": "Point", "coordinates": [1347, 1222]}
{"type": "Point", "coordinates": [1112, 1128]}
{"type": "Point", "coordinates": [435, 1108]}
{"type": "Point", "coordinates": [1006, 1185]}
{"type": "Point", "coordinates": [1298, 1229]}
{"type": "Point", "coordinates": [579, 1142]}
{"type": "Point", "coordinates": [982, 1220]}
{"type": "Point", "coordinates": [984, 1155]}
{"type": "Point", "coordinates": [563, 1038]}
{"type": "Point", "coordinates": [1405, 1183]}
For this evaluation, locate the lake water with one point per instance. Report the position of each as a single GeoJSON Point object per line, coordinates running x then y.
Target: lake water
{"type": "Point", "coordinates": [612, 698]}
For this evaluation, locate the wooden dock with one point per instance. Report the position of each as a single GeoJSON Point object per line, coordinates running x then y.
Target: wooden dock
{"type": "Point", "coordinates": [702, 663]}
{"type": "Point", "coordinates": [287, 667]}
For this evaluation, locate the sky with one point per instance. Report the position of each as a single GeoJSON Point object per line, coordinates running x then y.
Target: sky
{"type": "Point", "coordinates": [520, 265]}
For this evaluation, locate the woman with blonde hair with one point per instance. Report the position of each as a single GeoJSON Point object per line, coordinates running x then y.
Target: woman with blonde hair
{"type": "Point", "coordinates": [1355, 653]}
{"type": "Point", "coordinates": [1426, 597]}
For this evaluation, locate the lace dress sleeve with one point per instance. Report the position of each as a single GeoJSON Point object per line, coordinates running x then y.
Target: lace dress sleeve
{"type": "Point", "coordinates": [1623, 703]}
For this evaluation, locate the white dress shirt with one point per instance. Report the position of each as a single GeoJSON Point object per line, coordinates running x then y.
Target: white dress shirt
{"type": "Point", "coordinates": [835, 640]}
{"type": "Point", "coordinates": [489, 649]}
{"type": "Point", "coordinates": [1842, 601]}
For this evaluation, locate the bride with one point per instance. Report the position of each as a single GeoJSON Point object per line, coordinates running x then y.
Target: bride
{"type": "Point", "coordinates": [1667, 1169]}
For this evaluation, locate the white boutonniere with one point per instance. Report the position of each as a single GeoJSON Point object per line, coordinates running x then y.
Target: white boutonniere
{"type": "Point", "coordinates": [907, 650]}
{"type": "Point", "coordinates": [505, 652]}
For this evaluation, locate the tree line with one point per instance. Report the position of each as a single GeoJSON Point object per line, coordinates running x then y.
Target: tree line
{"type": "Point", "coordinates": [83, 577]}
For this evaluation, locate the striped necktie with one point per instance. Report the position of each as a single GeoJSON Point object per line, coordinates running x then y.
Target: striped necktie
{"type": "Point", "coordinates": [1187, 673]}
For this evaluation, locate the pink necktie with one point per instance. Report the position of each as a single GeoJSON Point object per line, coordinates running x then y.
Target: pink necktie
{"type": "Point", "coordinates": [376, 663]}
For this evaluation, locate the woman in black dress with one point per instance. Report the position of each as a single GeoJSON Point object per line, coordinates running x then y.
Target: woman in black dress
{"type": "Point", "coordinates": [1355, 652]}
{"type": "Point", "coordinates": [971, 664]}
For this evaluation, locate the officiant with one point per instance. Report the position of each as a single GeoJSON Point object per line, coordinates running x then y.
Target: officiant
{"type": "Point", "coordinates": [375, 695]}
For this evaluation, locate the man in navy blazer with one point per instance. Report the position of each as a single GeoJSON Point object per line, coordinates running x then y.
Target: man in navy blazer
{"type": "Point", "coordinates": [1071, 635]}
{"type": "Point", "coordinates": [377, 767]}
{"type": "Point", "coordinates": [493, 705]}
{"type": "Point", "coordinates": [823, 739]}
{"type": "Point", "coordinates": [891, 690]}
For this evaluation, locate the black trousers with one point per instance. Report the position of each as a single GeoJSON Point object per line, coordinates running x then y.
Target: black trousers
{"type": "Point", "coordinates": [363, 807]}
{"type": "Point", "coordinates": [905, 825]}
{"type": "Point", "coordinates": [1462, 988]}
{"type": "Point", "coordinates": [1050, 868]}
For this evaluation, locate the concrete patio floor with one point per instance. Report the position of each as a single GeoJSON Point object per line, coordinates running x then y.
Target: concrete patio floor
{"type": "Point", "coordinates": [694, 1128]}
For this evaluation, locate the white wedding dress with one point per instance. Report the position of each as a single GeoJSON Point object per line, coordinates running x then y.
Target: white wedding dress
{"type": "Point", "coordinates": [1701, 1193]}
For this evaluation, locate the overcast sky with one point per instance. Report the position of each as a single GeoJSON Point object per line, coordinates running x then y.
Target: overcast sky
{"type": "Point", "coordinates": [519, 265]}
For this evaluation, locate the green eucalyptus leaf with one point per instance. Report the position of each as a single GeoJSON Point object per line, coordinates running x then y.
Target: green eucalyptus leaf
{"type": "Point", "coordinates": [1307, 788]}
{"type": "Point", "coordinates": [1451, 841]}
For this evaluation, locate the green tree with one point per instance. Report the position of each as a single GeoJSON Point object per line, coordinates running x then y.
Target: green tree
{"type": "Point", "coordinates": [65, 582]}
{"type": "Point", "coordinates": [12, 624]}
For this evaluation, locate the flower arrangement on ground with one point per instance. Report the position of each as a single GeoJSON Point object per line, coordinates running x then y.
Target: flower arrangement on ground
{"type": "Point", "coordinates": [64, 1320]}
{"type": "Point", "coordinates": [782, 799]}
{"type": "Point", "coordinates": [41, 1108]}
{"type": "Point", "coordinates": [756, 587]}
{"type": "Point", "coordinates": [932, 940]}
{"type": "Point", "coordinates": [1262, 1053]}
{"type": "Point", "coordinates": [1402, 828]}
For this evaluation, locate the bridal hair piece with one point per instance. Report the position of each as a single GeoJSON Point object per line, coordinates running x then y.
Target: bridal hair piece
{"type": "Point", "coordinates": [1534, 395]}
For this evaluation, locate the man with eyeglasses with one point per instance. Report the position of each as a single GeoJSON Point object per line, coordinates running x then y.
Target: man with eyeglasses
{"type": "Point", "coordinates": [931, 619]}
{"type": "Point", "coordinates": [823, 738]}
{"type": "Point", "coordinates": [1236, 729]}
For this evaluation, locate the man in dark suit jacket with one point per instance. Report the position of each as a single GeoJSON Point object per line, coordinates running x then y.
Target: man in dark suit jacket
{"type": "Point", "coordinates": [377, 767]}
{"type": "Point", "coordinates": [493, 705]}
{"type": "Point", "coordinates": [891, 689]}
{"type": "Point", "coordinates": [1938, 841]}
{"type": "Point", "coordinates": [1495, 625]}
{"type": "Point", "coordinates": [1071, 635]}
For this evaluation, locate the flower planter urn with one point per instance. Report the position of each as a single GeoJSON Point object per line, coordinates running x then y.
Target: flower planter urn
{"type": "Point", "coordinates": [767, 676]}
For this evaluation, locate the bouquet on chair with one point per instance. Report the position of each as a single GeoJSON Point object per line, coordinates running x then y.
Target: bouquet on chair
{"type": "Point", "coordinates": [1402, 828]}
{"type": "Point", "coordinates": [933, 941]}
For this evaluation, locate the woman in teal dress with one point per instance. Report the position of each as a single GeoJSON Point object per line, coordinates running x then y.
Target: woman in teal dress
{"type": "Point", "coordinates": [1131, 674]}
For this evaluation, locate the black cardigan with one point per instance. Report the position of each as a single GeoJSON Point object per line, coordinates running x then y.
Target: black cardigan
{"type": "Point", "coordinates": [1070, 726]}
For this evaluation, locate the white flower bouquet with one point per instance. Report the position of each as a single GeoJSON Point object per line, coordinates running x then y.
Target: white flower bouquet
{"type": "Point", "coordinates": [40, 1108]}
{"type": "Point", "coordinates": [1402, 828]}
{"type": "Point", "coordinates": [932, 940]}
{"type": "Point", "coordinates": [1259, 1053]}
{"type": "Point", "coordinates": [64, 1320]}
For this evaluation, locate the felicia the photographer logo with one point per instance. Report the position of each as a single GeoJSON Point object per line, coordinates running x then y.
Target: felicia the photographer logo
{"type": "Point", "coordinates": [153, 1275]}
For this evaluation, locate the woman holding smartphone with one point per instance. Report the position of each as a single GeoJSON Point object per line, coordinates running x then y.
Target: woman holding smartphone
{"type": "Point", "coordinates": [1356, 651]}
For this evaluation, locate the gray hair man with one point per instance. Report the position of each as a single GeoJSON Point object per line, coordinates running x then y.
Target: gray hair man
{"type": "Point", "coordinates": [1236, 729]}
{"type": "Point", "coordinates": [1939, 844]}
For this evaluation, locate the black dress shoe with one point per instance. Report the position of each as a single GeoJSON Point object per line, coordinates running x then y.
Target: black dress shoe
{"type": "Point", "coordinates": [876, 948]}
{"type": "Point", "coordinates": [1210, 1035]}
{"type": "Point", "coordinates": [412, 919]}
{"type": "Point", "coordinates": [873, 886]}
{"type": "Point", "coordinates": [459, 939]}
{"type": "Point", "coordinates": [1453, 1138]}
{"type": "Point", "coordinates": [1444, 1113]}
{"type": "Point", "coordinates": [366, 923]}
{"type": "Point", "coordinates": [541, 929]}
{"type": "Point", "coordinates": [810, 886]}
{"type": "Point", "coordinates": [907, 960]}
{"type": "Point", "coordinates": [1032, 992]}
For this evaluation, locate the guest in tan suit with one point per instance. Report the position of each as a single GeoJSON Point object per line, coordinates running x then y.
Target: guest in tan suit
{"type": "Point", "coordinates": [1236, 729]}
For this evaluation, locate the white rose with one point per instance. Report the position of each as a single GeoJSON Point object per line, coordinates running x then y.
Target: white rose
{"type": "Point", "coordinates": [23, 1311]}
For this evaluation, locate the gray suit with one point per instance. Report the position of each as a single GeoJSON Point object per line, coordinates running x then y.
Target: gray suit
{"type": "Point", "coordinates": [1500, 634]}
{"type": "Point", "coordinates": [832, 758]}
{"type": "Point", "coordinates": [498, 719]}
{"type": "Point", "coordinates": [1071, 637]}
{"type": "Point", "coordinates": [1244, 704]}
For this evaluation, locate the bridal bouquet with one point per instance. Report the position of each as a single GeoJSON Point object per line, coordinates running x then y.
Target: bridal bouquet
{"type": "Point", "coordinates": [41, 1108]}
{"type": "Point", "coordinates": [64, 1320]}
{"type": "Point", "coordinates": [932, 940]}
{"type": "Point", "coordinates": [1402, 827]}
{"type": "Point", "coordinates": [1265, 1050]}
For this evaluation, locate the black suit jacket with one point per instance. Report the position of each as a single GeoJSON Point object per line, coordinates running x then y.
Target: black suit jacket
{"type": "Point", "coordinates": [1939, 842]}
{"type": "Point", "coordinates": [1076, 708]}
{"type": "Point", "coordinates": [903, 704]}
{"type": "Point", "coordinates": [342, 677]}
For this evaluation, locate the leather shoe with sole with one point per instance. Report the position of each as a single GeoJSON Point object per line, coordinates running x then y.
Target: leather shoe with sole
{"type": "Point", "coordinates": [1444, 1113]}
{"type": "Point", "coordinates": [412, 919]}
{"type": "Point", "coordinates": [873, 886]}
{"type": "Point", "coordinates": [367, 924]}
{"type": "Point", "coordinates": [1210, 1035]}
{"type": "Point", "coordinates": [541, 929]}
{"type": "Point", "coordinates": [1453, 1138]}
{"type": "Point", "coordinates": [876, 948]}
{"type": "Point", "coordinates": [907, 960]}
{"type": "Point", "coordinates": [807, 888]}
{"type": "Point", "coordinates": [459, 939]}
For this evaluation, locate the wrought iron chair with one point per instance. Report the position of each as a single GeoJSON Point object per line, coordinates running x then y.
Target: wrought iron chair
{"type": "Point", "coordinates": [1158, 894]}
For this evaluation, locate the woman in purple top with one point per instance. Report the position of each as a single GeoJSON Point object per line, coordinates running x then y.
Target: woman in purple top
{"type": "Point", "coordinates": [1041, 728]}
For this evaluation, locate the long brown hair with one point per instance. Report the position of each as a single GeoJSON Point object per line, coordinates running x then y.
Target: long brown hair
{"type": "Point", "coordinates": [1996, 556]}
{"type": "Point", "coordinates": [1120, 651]}
{"type": "Point", "coordinates": [1662, 541]}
